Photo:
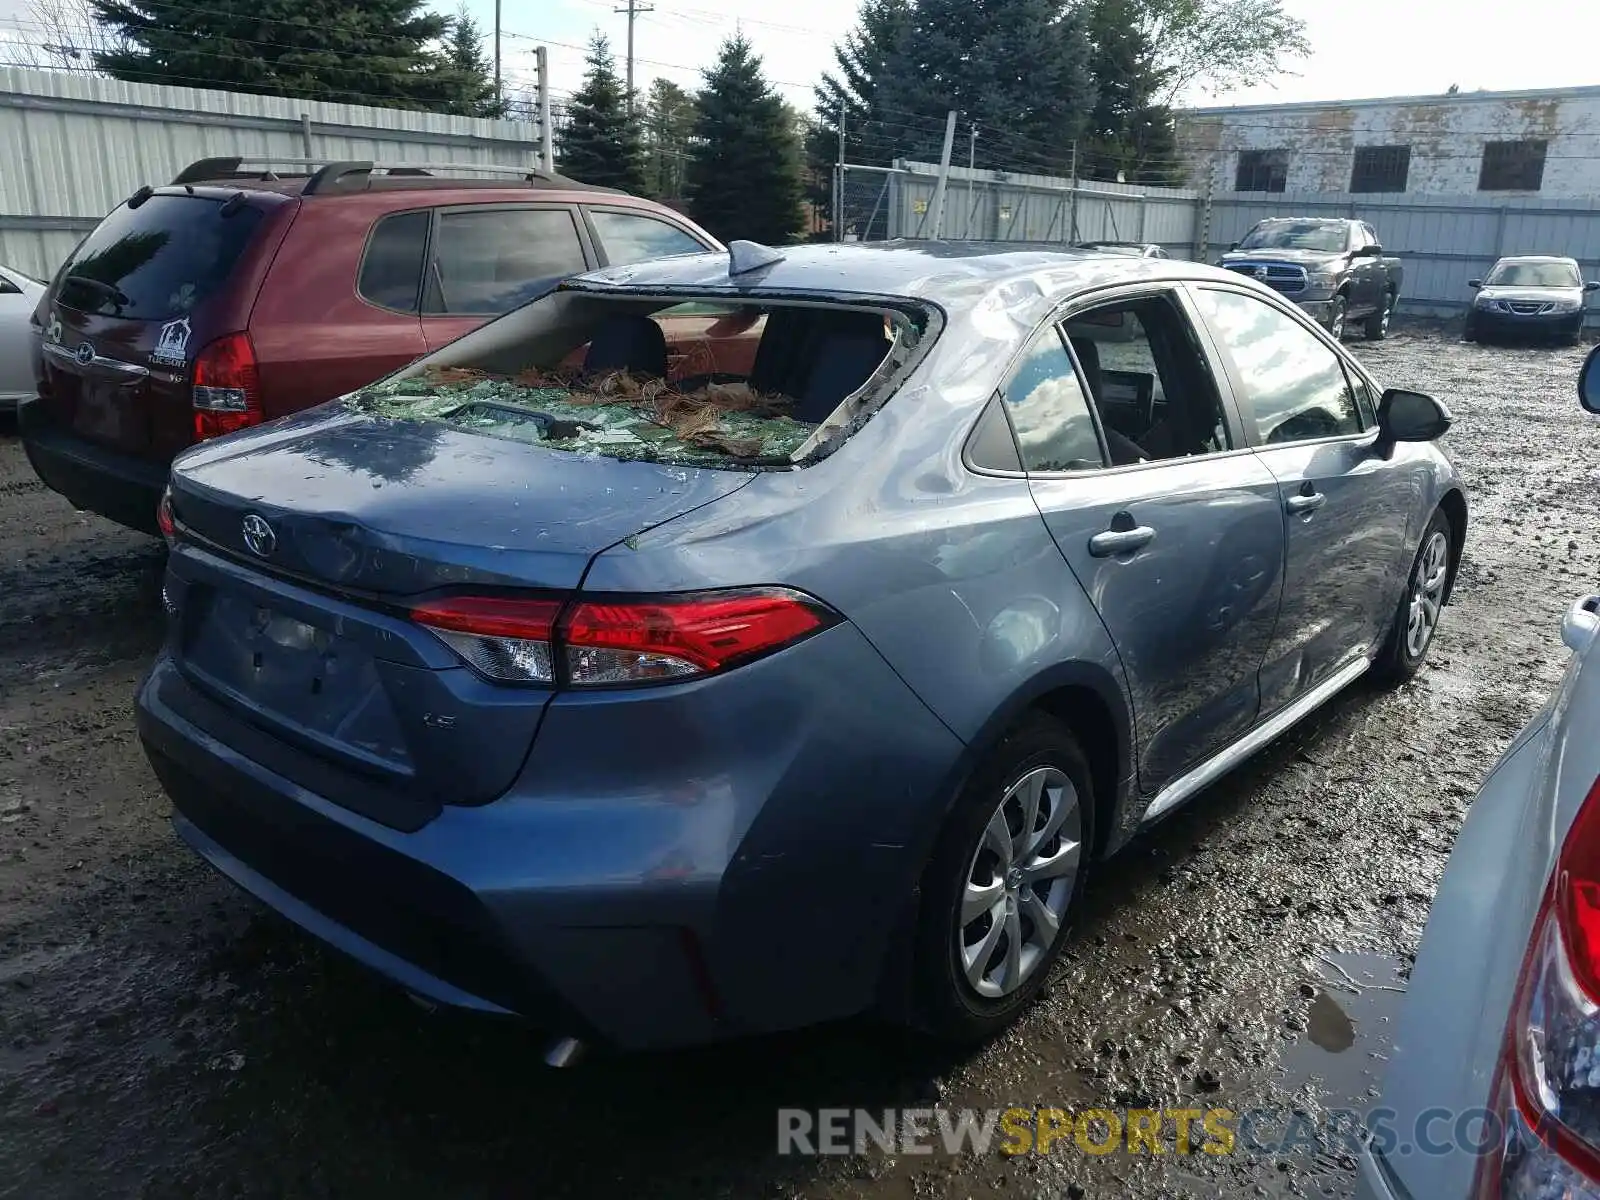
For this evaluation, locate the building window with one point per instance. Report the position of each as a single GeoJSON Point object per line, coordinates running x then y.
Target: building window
{"type": "Point", "coordinates": [1512, 166]}
{"type": "Point", "coordinates": [1262, 171]}
{"type": "Point", "coordinates": [1380, 169]}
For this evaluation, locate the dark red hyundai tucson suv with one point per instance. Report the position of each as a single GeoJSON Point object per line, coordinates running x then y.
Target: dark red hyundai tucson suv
{"type": "Point", "coordinates": [236, 294]}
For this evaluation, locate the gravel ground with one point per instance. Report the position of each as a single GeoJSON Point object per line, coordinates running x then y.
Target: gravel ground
{"type": "Point", "coordinates": [160, 1036]}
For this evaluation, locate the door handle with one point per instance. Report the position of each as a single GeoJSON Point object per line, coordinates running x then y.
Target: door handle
{"type": "Point", "coordinates": [1306, 502]}
{"type": "Point", "coordinates": [1120, 541]}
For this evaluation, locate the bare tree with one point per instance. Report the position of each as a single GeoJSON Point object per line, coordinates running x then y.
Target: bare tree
{"type": "Point", "coordinates": [1214, 46]}
{"type": "Point", "coordinates": [60, 34]}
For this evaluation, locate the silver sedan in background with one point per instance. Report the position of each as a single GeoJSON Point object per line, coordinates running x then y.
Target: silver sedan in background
{"type": "Point", "coordinates": [1494, 1086]}
{"type": "Point", "coordinates": [19, 296]}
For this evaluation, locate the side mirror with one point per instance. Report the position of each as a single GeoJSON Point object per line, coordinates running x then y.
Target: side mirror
{"type": "Point", "coordinates": [1592, 286]}
{"type": "Point", "coordinates": [1589, 382]}
{"type": "Point", "coordinates": [1405, 416]}
{"type": "Point", "coordinates": [1474, 283]}
{"type": "Point", "coordinates": [1233, 245]}
{"type": "Point", "coordinates": [1366, 252]}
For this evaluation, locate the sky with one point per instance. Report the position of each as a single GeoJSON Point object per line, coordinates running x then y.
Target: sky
{"type": "Point", "coordinates": [1395, 48]}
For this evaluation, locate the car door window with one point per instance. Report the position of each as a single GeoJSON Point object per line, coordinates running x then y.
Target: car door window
{"type": "Point", "coordinates": [489, 261]}
{"type": "Point", "coordinates": [1366, 406]}
{"type": "Point", "coordinates": [1149, 380]}
{"type": "Point", "coordinates": [629, 238]}
{"type": "Point", "coordinates": [1293, 387]}
{"type": "Point", "coordinates": [1055, 431]}
{"type": "Point", "coordinates": [391, 269]}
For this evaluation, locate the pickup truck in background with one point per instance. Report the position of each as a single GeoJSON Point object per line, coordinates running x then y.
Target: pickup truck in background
{"type": "Point", "coordinates": [1333, 268]}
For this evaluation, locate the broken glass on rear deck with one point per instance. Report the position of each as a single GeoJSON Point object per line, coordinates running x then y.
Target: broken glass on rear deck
{"type": "Point", "coordinates": [618, 415]}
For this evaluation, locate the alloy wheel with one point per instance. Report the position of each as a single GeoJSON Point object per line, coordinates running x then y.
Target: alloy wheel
{"type": "Point", "coordinates": [1388, 311]}
{"type": "Point", "coordinates": [1336, 325]}
{"type": "Point", "coordinates": [1427, 592]}
{"type": "Point", "coordinates": [1019, 883]}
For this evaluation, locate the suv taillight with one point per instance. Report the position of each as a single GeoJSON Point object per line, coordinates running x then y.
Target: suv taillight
{"type": "Point", "coordinates": [598, 643]}
{"type": "Point", "coordinates": [1547, 1089]}
{"type": "Point", "coordinates": [227, 387]}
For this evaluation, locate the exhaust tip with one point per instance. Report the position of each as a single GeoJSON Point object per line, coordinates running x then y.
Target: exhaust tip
{"type": "Point", "coordinates": [563, 1052]}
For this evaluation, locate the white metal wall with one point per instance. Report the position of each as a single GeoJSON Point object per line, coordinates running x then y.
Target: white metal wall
{"type": "Point", "coordinates": [72, 147]}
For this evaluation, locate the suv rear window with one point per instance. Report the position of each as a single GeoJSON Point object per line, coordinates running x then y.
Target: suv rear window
{"type": "Point", "coordinates": [158, 261]}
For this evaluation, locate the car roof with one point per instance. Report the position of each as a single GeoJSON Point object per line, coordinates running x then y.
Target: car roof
{"type": "Point", "coordinates": [1536, 258]}
{"type": "Point", "coordinates": [956, 276]}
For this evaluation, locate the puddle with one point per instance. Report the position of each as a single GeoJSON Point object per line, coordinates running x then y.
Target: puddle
{"type": "Point", "coordinates": [1348, 1028]}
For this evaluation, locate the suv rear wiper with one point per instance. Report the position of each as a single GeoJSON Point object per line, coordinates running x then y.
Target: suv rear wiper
{"type": "Point", "coordinates": [115, 294]}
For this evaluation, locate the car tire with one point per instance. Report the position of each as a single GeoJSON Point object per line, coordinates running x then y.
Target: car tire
{"type": "Point", "coordinates": [1336, 321]}
{"type": "Point", "coordinates": [1469, 332]}
{"type": "Point", "coordinates": [970, 984]}
{"type": "Point", "coordinates": [1377, 326]}
{"type": "Point", "coordinates": [1416, 618]}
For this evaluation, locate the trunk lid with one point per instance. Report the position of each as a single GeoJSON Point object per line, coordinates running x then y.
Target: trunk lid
{"type": "Point", "coordinates": [330, 523]}
{"type": "Point", "coordinates": [396, 508]}
{"type": "Point", "coordinates": [146, 291]}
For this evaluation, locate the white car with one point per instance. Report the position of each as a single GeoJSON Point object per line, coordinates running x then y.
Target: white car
{"type": "Point", "coordinates": [19, 296]}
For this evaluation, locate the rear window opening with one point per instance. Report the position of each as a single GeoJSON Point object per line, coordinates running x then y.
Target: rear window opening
{"type": "Point", "coordinates": [687, 380]}
{"type": "Point", "coordinates": [160, 260]}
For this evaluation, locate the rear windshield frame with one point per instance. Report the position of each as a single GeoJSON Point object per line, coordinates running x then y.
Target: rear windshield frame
{"type": "Point", "coordinates": [926, 319]}
{"type": "Point", "coordinates": [205, 268]}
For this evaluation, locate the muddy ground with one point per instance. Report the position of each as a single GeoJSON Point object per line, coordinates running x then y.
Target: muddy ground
{"type": "Point", "coordinates": [160, 1036]}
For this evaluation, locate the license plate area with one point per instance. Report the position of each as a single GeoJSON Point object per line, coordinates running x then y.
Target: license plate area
{"type": "Point", "coordinates": [310, 682]}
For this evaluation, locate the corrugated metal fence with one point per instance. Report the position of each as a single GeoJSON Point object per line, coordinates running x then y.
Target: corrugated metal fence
{"type": "Point", "coordinates": [1003, 206]}
{"type": "Point", "coordinates": [72, 147]}
{"type": "Point", "coordinates": [1442, 241]}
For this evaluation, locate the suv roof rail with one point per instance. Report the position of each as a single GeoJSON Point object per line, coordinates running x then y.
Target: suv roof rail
{"type": "Point", "coordinates": [323, 175]}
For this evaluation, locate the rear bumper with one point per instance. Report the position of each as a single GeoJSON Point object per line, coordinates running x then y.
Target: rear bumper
{"type": "Point", "coordinates": [602, 898]}
{"type": "Point", "coordinates": [117, 486]}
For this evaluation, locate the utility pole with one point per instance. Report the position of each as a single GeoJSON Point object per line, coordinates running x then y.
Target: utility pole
{"type": "Point", "coordinates": [944, 175]}
{"type": "Point", "coordinates": [633, 10]}
{"type": "Point", "coordinates": [838, 181]}
{"type": "Point", "coordinates": [541, 56]}
{"type": "Point", "coordinates": [972, 151]}
{"type": "Point", "coordinates": [498, 95]}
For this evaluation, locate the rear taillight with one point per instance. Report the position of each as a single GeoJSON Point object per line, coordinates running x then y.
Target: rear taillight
{"type": "Point", "coordinates": [164, 518]}
{"type": "Point", "coordinates": [227, 387]}
{"type": "Point", "coordinates": [608, 642]}
{"type": "Point", "coordinates": [1547, 1090]}
{"type": "Point", "coordinates": [507, 639]}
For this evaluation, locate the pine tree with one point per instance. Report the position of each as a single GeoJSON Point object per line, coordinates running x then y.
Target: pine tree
{"type": "Point", "coordinates": [349, 51]}
{"type": "Point", "coordinates": [1017, 69]}
{"type": "Point", "coordinates": [600, 142]}
{"type": "Point", "coordinates": [465, 74]}
{"type": "Point", "coordinates": [669, 117]}
{"type": "Point", "coordinates": [744, 177]}
{"type": "Point", "coordinates": [1129, 133]}
{"type": "Point", "coordinates": [863, 58]}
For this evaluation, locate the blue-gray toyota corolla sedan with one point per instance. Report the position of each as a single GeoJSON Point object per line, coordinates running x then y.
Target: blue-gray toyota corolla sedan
{"type": "Point", "coordinates": [722, 644]}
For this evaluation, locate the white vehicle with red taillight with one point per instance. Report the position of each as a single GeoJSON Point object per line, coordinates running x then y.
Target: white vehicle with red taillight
{"type": "Point", "coordinates": [1493, 1090]}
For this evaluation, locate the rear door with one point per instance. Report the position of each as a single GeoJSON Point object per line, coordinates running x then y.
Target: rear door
{"type": "Point", "coordinates": [1345, 508]}
{"type": "Point", "coordinates": [486, 260]}
{"type": "Point", "coordinates": [138, 298]}
{"type": "Point", "coordinates": [1181, 554]}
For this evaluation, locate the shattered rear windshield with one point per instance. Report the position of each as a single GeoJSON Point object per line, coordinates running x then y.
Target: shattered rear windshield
{"type": "Point", "coordinates": [619, 415]}
{"type": "Point", "coordinates": [731, 384]}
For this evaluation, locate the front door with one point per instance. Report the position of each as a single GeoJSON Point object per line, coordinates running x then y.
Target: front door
{"type": "Point", "coordinates": [1172, 528]}
{"type": "Point", "coordinates": [1345, 508]}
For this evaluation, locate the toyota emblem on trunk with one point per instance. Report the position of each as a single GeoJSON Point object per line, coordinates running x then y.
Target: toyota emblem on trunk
{"type": "Point", "coordinates": [258, 536]}
{"type": "Point", "coordinates": [84, 354]}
